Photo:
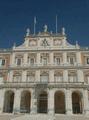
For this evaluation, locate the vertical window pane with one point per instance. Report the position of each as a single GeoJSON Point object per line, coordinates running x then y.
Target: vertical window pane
{"type": "Point", "coordinates": [18, 61]}
{"type": "Point", "coordinates": [3, 62]}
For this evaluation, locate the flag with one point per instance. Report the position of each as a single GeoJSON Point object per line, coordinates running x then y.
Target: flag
{"type": "Point", "coordinates": [56, 23]}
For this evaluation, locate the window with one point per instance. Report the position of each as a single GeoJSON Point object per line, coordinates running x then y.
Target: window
{"type": "Point", "coordinates": [58, 78]}
{"type": "Point", "coordinates": [87, 60]}
{"type": "Point", "coordinates": [71, 60]}
{"type": "Point", "coordinates": [57, 61]}
{"type": "Point", "coordinates": [72, 78]}
{"type": "Point", "coordinates": [17, 78]}
{"type": "Point", "coordinates": [45, 61]}
{"type": "Point", "coordinates": [2, 62]}
{"type": "Point", "coordinates": [18, 61]}
{"type": "Point", "coordinates": [30, 78]}
{"type": "Point", "coordinates": [44, 77]}
{"type": "Point", "coordinates": [32, 61]}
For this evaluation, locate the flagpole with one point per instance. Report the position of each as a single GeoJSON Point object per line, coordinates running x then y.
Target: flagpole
{"type": "Point", "coordinates": [56, 23]}
{"type": "Point", "coordinates": [34, 25]}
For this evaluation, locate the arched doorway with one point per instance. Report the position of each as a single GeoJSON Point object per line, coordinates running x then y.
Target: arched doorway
{"type": "Point", "coordinates": [8, 102]}
{"type": "Point", "coordinates": [76, 102]}
{"type": "Point", "coordinates": [25, 102]}
{"type": "Point", "coordinates": [42, 103]}
{"type": "Point", "coordinates": [59, 102]}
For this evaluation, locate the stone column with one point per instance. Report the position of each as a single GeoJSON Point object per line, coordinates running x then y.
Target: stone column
{"type": "Point", "coordinates": [51, 76]}
{"type": "Point", "coordinates": [37, 76]}
{"type": "Point", "coordinates": [80, 75]}
{"type": "Point", "coordinates": [33, 102]}
{"type": "Point", "coordinates": [65, 75]}
{"type": "Point", "coordinates": [24, 76]}
{"type": "Point", "coordinates": [51, 58]}
{"type": "Point", "coordinates": [2, 94]}
{"type": "Point", "coordinates": [51, 101]}
{"type": "Point", "coordinates": [25, 58]}
{"type": "Point", "coordinates": [68, 101]}
{"type": "Point", "coordinates": [78, 58]}
{"type": "Point", "coordinates": [86, 102]}
{"type": "Point", "coordinates": [38, 58]}
{"type": "Point", "coordinates": [17, 100]}
{"type": "Point", "coordinates": [64, 58]}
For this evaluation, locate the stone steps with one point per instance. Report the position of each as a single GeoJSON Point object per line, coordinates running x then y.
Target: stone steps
{"type": "Point", "coordinates": [42, 117]}
{"type": "Point", "coordinates": [50, 117]}
{"type": "Point", "coordinates": [71, 117]}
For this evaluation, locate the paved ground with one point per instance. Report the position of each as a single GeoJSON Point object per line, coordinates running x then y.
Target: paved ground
{"type": "Point", "coordinates": [8, 116]}
{"type": "Point", "coordinates": [42, 117]}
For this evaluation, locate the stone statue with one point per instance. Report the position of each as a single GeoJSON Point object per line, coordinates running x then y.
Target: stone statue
{"type": "Point", "coordinates": [63, 31]}
{"type": "Point", "coordinates": [45, 28]}
{"type": "Point", "coordinates": [28, 32]}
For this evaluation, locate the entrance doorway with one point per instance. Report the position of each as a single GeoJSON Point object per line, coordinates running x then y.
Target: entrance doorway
{"type": "Point", "coordinates": [59, 102]}
{"type": "Point", "coordinates": [42, 103]}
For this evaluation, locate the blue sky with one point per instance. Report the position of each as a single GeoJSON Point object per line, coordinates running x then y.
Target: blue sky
{"type": "Point", "coordinates": [17, 15]}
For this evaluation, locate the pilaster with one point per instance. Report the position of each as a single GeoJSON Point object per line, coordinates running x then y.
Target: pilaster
{"type": "Point", "coordinates": [78, 57]}
{"type": "Point", "coordinates": [65, 75]}
{"type": "Point", "coordinates": [37, 76]}
{"type": "Point", "coordinates": [24, 76]}
{"type": "Point", "coordinates": [2, 94]}
{"type": "Point", "coordinates": [68, 102]}
{"type": "Point", "coordinates": [25, 58]}
{"type": "Point", "coordinates": [38, 58]}
{"type": "Point", "coordinates": [51, 58]}
{"type": "Point", "coordinates": [65, 58]}
{"type": "Point", "coordinates": [10, 76]}
{"type": "Point", "coordinates": [80, 75]}
{"type": "Point", "coordinates": [51, 102]}
{"type": "Point", "coordinates": [86, 102]}
{"type": "Point", "coordinates": [17, 100]}
{"type": "Point", "coordinates": [51, 76]}
{"type": "Point", "coordinates": [33, 102]}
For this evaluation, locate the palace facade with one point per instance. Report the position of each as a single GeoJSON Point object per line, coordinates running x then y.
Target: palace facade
{"type": "Point", "coordinates": [46, 74]}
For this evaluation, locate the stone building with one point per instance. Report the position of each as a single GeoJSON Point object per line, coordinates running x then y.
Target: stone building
{"type": "Point", "coordinates": [46, 74]}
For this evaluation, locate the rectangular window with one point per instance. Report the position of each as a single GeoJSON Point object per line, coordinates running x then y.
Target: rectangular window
{"type": "Point", "coordinates": [44, 78]}
{"type": "Point", "coordinates": [17, 78]}
{"type": "Point", "coordinates": [45, 61]}
{"type": "Point", "coordinates": [2, 62]}
{"type": "Point", "coordinates": [30, 78]}
{"type": "Point", "coordinates": [18, 61]}
{"type": "Point", "coordinates": [72, 78]}
{"type": "Point", "coordinates": [32, 61]}
{"type": "Point", "coordinates": [58, 78]}
{"type": "Point", "coordinates": [71, 60]}
{"type": "Point", "coordinates": [57, 61]}
{"type": "Point", "coordinates": [87, 60]}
